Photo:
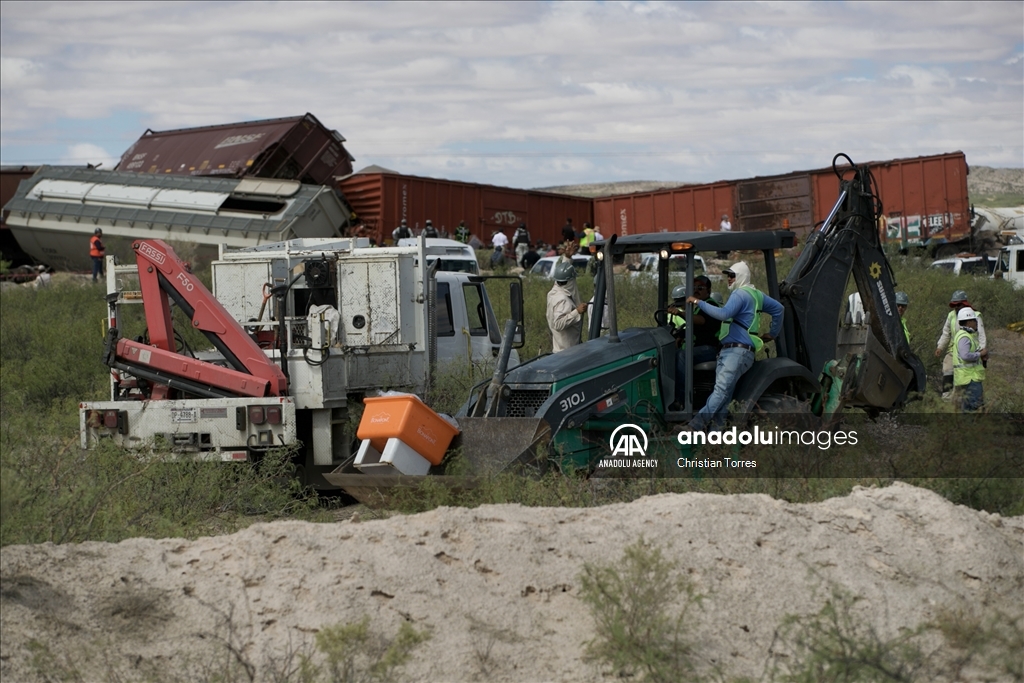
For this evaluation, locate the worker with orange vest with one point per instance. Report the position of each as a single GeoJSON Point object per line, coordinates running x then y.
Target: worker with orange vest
{"type": "Point", "coordinates": [97, 251]}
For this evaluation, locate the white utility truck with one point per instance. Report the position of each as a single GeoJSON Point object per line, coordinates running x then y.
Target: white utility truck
{"type": "Point", "coordinates": [301, 330]}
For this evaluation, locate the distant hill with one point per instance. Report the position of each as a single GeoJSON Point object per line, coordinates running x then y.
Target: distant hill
{"type": "Point", "coordinates": [986, 186]}
{"type": "Point", "coordinates": [993, 187]}
{"type": "Point", "coordinates": [608, 189]}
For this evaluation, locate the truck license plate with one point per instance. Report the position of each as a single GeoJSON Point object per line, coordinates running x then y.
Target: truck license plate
{"type": "Point", "coordinates": [184, 414]}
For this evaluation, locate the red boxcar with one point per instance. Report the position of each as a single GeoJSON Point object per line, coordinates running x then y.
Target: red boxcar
{"type": "Point", "coordinates": [382, 199]}
{"type": "Point", "coordinates": [923, 198]}
{"type": "Point", "coordinates": [296, 148]}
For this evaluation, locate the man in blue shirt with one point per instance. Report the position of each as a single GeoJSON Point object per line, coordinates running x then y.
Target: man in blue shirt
{"type": "Point", "coordinates": [740, 344]}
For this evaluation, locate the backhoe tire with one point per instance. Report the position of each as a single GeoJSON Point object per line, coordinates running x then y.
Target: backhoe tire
{"type": "Point", "coordinates": [784, 411]}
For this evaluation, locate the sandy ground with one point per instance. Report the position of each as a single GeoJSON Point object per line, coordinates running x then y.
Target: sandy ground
{"type": "Point", "coordinates": [498, 586]}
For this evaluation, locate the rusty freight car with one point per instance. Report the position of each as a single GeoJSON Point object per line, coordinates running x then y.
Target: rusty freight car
{"type": "Point", "coordinates": [924, 199]}
{"type": "Point", "coordinates": [382, 198]}
{"type": "Point", "coordinates": [296, 148]}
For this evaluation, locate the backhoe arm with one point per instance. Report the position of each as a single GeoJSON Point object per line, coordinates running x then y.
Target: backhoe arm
{"type": "Point", "coordinates": [814, 290]}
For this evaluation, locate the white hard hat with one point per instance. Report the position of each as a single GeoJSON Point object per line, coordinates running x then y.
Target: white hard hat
{"type": "Point", "coordinates": [966, 313]}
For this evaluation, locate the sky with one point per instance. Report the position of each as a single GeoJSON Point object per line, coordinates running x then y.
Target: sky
{"type": "Point", "coordinates": [527, 94]}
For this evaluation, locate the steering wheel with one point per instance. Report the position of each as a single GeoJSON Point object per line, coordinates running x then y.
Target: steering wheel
{"type": "Point", "coordinates": [661, 317]}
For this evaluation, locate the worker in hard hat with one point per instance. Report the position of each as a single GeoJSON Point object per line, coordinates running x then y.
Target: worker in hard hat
{"type": "Point", "coordinates": [565, 310]}
{"type": "Point", "coordinates": [957, 302]}
{"type": "Point", "coordinates": [96, 252]}
{"type": "Point", "coordinates": [430, 230]}
{"type": "Point", "coordinates": [968, 370]}
{"type": "Point", "coordinates": [902, 301]}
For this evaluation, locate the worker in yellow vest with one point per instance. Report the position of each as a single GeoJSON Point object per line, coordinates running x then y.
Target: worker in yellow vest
{"type": "Point", "coordinates": [968, 371]}
{"type": "Point", "coordinates": [902, 301]}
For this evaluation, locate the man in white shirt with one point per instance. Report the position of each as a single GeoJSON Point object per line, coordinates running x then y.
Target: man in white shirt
{"type": "Point", "coordinates": [499, 240]}
{"type": "Point", "coordinates": [725, 225]}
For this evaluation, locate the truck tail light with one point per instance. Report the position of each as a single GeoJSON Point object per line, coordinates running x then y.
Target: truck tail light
{"type": "Point", "coordinates": [257, 415]}
{"type": "Point", "coordinates": [110, 419]}
{"type": "Point", "coordinates": [274, 415]}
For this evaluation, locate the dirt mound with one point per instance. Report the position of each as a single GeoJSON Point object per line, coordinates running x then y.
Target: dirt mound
{"type": "Point", "coordinates": [498, 586]}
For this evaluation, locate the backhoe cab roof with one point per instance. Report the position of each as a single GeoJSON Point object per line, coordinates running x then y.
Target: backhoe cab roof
{"type": "Point", "coordinates": [703, 241]}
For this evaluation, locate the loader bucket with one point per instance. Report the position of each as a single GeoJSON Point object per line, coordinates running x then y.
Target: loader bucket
{"type": "Point", "coordinates": [493, 444]}
{"type": "Point", "coordinates": [489, 445]}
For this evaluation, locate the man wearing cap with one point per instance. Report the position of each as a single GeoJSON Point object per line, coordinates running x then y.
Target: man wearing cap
{"type": "Point", "coordinates": [521, 240]}
{"type": "Point", "coordinates": [742, 312]}
{"type": "Point", "coordinates": [565, 311]}
{"type": "Point", "coordinates": [705, 331]}
{"type": "Point", "coordinates": [968, 370]}
{"type": "Point", "coordinates": [902, 301]}
{"type": "Point", "coordinates": [97, 251]}
{"type": "Point", "coordinates": [462, 232]}
{"type": "Point", "coordinates": [957, 302]}
{"type": "Point", "coordinates": [430, 230]}
{"type": "Point", "coordinates": [401, 232]}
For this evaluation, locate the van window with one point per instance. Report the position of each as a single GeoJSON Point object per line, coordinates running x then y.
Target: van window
{"type": "Point", "coordinates": [443, 311]}
{"type": "Point", "coordinates": [475, 312]}
{"type": "Point", "coordinates": [979, 267]}
{"type": "Point", "coordinates": [458, 265]}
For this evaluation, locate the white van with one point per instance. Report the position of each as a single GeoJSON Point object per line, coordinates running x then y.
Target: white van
{"type": "Point", "coordinates": [452, 255]}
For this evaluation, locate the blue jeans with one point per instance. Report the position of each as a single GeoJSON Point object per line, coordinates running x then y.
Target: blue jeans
{"type": "Point", "coordinates": [97, 267]}
{"type": "Point", "coordinates": [973, 397]}
{"type": "Point", "coordinates": [732, 363]}
{"type": "Point", "coordinates": [701, 354]}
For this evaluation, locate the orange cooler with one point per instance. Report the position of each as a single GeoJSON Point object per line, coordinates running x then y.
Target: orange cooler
{"type": "Point", "coordinates": [405, 417]}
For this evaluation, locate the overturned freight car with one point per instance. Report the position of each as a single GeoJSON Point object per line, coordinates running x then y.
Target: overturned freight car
{"type": "Point", "coordinates": [295, 148]}
{"type": "Point", "coordinates": [53, 213]}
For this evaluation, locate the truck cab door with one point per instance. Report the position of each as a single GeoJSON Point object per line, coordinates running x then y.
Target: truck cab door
{"type": "Point", "coordinates": [466, 327]}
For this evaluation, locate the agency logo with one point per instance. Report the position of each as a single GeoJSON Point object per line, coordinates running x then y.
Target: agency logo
{"type": "Point", "coordinates": [625, 442]}
{"type": "Point", "coordinates": [628, 444]}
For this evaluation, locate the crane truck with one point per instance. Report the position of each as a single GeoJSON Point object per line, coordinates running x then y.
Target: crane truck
{"type": "Point", "coordinates": [566, 405]}
{"type": "Point", "coordinates": [300, 330]}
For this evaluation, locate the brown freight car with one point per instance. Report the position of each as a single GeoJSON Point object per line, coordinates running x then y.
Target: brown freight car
{"type": "Point", "coordinates": [382, 198]}
{"type": "Point", "coordinates": [924, 200]}
{"type": "Point", "coordinates": [296, 148]}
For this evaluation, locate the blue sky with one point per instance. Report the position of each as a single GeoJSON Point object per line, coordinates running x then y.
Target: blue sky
{"type": "Point", "coordinates": [527, 94]}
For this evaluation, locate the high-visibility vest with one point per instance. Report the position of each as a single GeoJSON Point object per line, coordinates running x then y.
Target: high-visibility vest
{"type": "Point", "coordinates": [755, 324]}
{"type": "Point", "coordinates": [953, 325]}
{"type": "Point", "coordinates": [965, 372]}
{"type": "Point", "coordinates": [95, 247]}
{"type": "Point", "coordinates": [906, 330]}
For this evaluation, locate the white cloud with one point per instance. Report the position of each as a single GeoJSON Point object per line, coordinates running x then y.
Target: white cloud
{"type": "Point", "coordinates": [682, 90]}
{"type": "Point", "coordinates": [87, 153]}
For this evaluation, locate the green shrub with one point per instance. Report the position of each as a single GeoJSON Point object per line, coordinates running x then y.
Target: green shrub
{"type": "Point", "coordinates": [835, 646]}
{"type": "Point", "coordinates": [640, 608]}
{"type": "Point", "coordinates": [355, 654]}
